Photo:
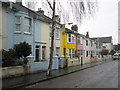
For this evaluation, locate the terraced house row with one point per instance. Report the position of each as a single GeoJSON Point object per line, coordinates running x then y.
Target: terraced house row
{"type": "Point", "coordinates": [19, 24]}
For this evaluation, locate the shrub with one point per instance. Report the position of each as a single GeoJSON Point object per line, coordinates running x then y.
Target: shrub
{"type": "Point", "coordinates": [23, 50]}
{"type": "Point", "coordinates": [8, 57]}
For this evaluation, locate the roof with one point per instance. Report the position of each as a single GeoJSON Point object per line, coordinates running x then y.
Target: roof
{"type": "Point", "coordinates": [103, 39]}
{"type": "Point", "coordinates": [16, 7]}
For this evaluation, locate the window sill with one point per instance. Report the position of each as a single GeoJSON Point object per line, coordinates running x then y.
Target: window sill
{"type": "Point", "coordinates": [57, 38]}
{"type": "Point", "coordinates": [71, 42]}
{"type": "Point", "coordinates": [17, 32]}
{"type": "Point", "coordinates": [28, 33]}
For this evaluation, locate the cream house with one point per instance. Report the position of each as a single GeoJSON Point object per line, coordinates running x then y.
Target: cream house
{"type": "Point", "coordinates": [3, 25]}
{"type": "Point", "coordinates": [57, 37]}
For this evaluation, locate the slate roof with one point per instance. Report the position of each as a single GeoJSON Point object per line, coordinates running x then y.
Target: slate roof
{"type": "Point", "coordinates": [16, 7]}
{"type": "Point", "coordinates": [103, 39]}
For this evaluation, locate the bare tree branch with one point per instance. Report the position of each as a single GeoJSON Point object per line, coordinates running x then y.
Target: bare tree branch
{"type": "Point", "coordinates": [49, 4]}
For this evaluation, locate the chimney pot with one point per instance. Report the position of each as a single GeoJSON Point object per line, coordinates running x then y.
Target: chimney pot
{"type": "Point", "coordinates": [40, 11]}
{"type": "Point", "coordinates": [87, 34]}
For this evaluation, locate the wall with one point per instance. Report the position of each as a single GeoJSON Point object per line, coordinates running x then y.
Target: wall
{"type": "Point", "coordinates": [119, 22]}
{"type": "Point", "coordinates": [14, 37]}
{"type": "Point", "coordinates": [3, 23]}
{"type": "Point", "coordinates": [13, 71]}
{"type": "Point", "coordinates": [45, 30]}
{"type": "Point", "coordinates": [73, 62]}
{"type": "Point", "coordinates": [0, 25]}
{"type": "Point", "coordinates": [36, 35]}
{"type": "Point", "coordinates": [43, 65]}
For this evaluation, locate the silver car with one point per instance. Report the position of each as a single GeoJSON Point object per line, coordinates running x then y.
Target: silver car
{"type": "Point", "coordinates": [116, 56]}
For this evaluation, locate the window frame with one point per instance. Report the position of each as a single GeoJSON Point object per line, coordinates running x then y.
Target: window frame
{"type": "Point", "coordinates": [71, 38]}
{"type": "Point", "coordinates": [71, 53]}
{"type": "Point", "coordinates": [28, 25]}
{"type": "Point", "coordinates": [18, 24]}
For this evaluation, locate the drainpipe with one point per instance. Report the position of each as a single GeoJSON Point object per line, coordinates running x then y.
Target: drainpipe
{"type": "Point", "coordinates": [76, 46]}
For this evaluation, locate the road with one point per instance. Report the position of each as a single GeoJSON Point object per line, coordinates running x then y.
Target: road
{"type": "Point", "coordinates": [101, 76]}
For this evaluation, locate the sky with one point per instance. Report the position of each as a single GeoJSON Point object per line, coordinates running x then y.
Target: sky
{"type": "Point", "coordinates": [105, 21]}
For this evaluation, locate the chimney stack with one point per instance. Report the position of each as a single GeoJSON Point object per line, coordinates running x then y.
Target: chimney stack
{"type": "Point", "coordinates": [40, 11]}
{"type": "Point", "coordinates": [19, 2]}
{"type": "Point", "coordinates": [87, 34]}
{"type": "Point", "coordinates": [57, 18]}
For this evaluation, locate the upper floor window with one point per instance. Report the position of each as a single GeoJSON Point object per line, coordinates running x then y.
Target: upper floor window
{"type": "Point", "coordinates": [71, 38]}
{"type": "Point", "coordinates": [17, 22]}
{"type": "Point", "coordinates": [78, 40]}
{"type": "Point", "coordinates": [27, 24]}
{"type": "Point", "coordinates": [86, 42]}
{"type": "Point", "coordinates": [57, 33]}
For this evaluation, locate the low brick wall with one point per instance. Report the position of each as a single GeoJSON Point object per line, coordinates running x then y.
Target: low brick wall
{"type": "Point", "coordinates": [13, 71]}
{"type": "Point", "coordinates": [73, 62]}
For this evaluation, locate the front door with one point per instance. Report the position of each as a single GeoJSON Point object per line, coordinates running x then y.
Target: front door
{"type": "Point", "coordinates": [37, 52]}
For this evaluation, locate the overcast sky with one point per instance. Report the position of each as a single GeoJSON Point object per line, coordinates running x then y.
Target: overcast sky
{"type": "Point", "coordinates": [105, 21]}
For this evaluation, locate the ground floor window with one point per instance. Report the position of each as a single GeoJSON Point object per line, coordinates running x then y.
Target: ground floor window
{"type": "Point", "coordinates": [71, 53]}
{"type": "Point", "coordinates": [80, 52]}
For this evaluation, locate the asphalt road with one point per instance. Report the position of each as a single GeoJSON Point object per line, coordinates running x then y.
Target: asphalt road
{"type": "Point", "coordinates": [101, 76]}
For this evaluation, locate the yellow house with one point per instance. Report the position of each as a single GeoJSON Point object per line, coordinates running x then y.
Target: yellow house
{"type": "Point", "coordinates": [68, 43]}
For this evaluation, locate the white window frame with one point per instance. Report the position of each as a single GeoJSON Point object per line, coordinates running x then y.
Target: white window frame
{"type": "Point", "coordinates": [71, 53]}
{"type": "Point", "coordinates": [72, 38]}
{"type": "Point", "coordinates": [18, 23]}
{"type": "Point", "coordinates": [57, 33]}
{"type": "Point", "coordinates": [78, 40]}
{"type": "Point", "coordinates": [26, 25]}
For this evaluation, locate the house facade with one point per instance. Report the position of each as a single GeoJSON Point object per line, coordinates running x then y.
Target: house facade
{"type": "Point", "coordinates": [26, 25]}
{"type": "Point", "coordinates": [68, 43]}
{"type": "Point", "coordinates": [105, 42]}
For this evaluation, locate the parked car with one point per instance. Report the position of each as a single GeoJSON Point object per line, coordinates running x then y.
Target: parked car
{"type": "Point", "coordinates": [116, 56]}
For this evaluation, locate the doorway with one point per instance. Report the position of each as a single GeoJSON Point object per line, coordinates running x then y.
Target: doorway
{"type": "Point", "coordinates": [37, 52]}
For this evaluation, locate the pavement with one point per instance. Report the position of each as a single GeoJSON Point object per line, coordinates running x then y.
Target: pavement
{"type": "Point", "coordinates": [29, 79]}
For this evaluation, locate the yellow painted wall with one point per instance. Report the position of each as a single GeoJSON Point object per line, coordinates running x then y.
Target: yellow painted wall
{"type": "Point", "coordinates": [66, 45]}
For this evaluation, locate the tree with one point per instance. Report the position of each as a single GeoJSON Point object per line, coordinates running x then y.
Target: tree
{"type": "Point", "coordinates": [117, 47]}
{"type": "Point", "coordinates": [8, 57]}
{"type": "Point", "coordinates": [79, 11]}
{"type": "Point", "coordinates": [23, 50]}
{"type": "Point", "coordinates": [52, 39]}
{"type": "Point", "coordinates": [104, 52]}
{"type": "Point", "coordinates": [112, 52]}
